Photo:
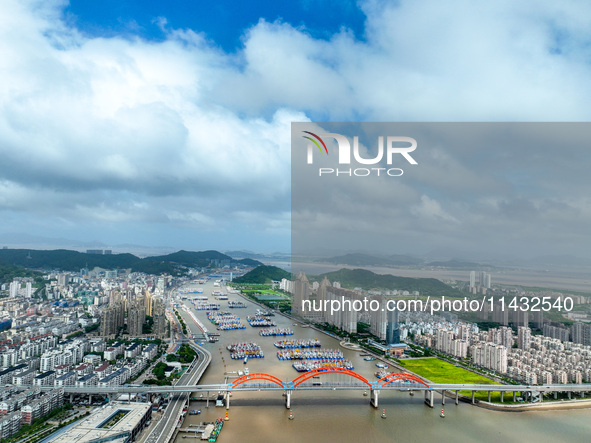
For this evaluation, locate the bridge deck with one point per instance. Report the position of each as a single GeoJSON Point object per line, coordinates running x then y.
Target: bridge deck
{"type": "Point", "coordinates": [147, 389]}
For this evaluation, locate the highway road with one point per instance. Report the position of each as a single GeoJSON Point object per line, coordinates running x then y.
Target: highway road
{"type": "Point", "coordinates": [163, 431]}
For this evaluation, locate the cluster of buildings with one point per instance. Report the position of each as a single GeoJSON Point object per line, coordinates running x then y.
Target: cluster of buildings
{"type": "Point", "coordinates": [548, 360]}
{"type": "Point", "coordinates": [64, 334]}
{"type": "Point", "coordinates": [70, 302]}
{"type": "Point", "coordinates": [43, 338]}
{"type": "Point", "coordinates": [78, 362]}
{"type": "Point", "coordinates": [44, 361]}
{"type": "Point", "coordinates": [137, 308]}
{"type": "Point", "coordinates": [480, 285]}
{"type": "Point", "coordinates": [579, 332]}
{"type": "Point", "coordinates": [19, 287]}
{"type": "Point", "coordinates": [22, 406]}
{"type": "Point", "coordinates": [531, 359]}
{"type": "Point", "coordinates": [316, 302]}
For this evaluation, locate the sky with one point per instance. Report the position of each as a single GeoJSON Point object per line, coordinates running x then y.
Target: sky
{"type": "Point", "coordinates": [167, 124]}
{"type": "Point", "coordinates": [500, 192]}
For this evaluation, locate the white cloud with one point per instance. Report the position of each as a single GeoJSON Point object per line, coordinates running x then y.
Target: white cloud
{"type": "Point", "coordinates": [430, 210]}
{"type": "Point", "coordinates": [184, 128]}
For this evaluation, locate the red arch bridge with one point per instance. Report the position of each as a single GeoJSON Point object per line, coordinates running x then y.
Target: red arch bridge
{"type": "Point", "coordinates": [323, 379]}
{"type": "Point", "coordinates": [391, 380]}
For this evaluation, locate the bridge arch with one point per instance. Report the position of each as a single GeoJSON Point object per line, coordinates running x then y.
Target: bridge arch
{"type": "Point", "coordinates": [256, 376]}
{"type": "Point", "coordinates": [328, 370]}
{"type": "Point", "coordinates": [400, 376]}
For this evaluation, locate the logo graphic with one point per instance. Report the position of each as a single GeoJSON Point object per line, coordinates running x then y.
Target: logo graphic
{"type": "Point", "coordinates": [388, 148]}
{"type": "Point", "coordinates": [315, 142]}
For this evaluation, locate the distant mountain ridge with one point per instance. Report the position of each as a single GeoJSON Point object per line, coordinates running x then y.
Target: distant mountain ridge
{"type": "Point", "coordinates": [360, 259]}
{"type": "Point", "coordinates": [458, 264]}
{"type": "Point", "coordinates": [67, 260]}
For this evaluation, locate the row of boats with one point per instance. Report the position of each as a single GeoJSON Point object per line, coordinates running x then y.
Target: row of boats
{"type": "Point", "coordinates": [225, 321]}
{"type": "Point", "coordinates": [298, 354]}
{"type": "Point", "coordinates": [236, 304]}
{"type": "Point", "coordinates": [275, 332]}
{"type": "Point", "coordinates": [240, 351]}
{"type": "Point", "coordinates": [305, 366]}
{"type": "Point", "coordinates": [296, 344]}
{"type": "Point", "coordinates": [239, 355]}
{"type": "Point", "coordinates": [207, 307]}
{"type": "Point", "coordinates": [260, 321]}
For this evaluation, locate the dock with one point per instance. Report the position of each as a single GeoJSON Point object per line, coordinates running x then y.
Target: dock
{"type": "Point", "coordinates": [204, 429]}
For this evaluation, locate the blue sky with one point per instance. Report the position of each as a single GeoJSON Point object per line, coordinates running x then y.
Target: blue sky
{"type": "Point", "coordinates": [167, 124]}
{"type": "Point", "coordinates": [221, 22]}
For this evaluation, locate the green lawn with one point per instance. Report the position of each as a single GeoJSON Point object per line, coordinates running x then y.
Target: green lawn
{"type": "Point", "coordinates": [268, 297]}
{"type": "Point", "coordinates": [439, 371]}
{"type": "Point", "coordinates": [271, 292]}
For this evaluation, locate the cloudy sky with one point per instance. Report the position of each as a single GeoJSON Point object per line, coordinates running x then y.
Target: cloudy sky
{"type": "Point", "coordinates": [480, 191]}
{"type": "Point", "coordinates": [168, 123]}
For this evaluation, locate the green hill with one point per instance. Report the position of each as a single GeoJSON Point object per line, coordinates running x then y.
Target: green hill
{"type": "Point", "coordinates": [250, 262]}
{"type": "Point", "coordinates": [361, 278]}
{"type": "Point", "coordinates": [263, 274]}
{"type": "Point", "coordinates": [192, 259]}
{"type": "Point", "coordinates": [10, 272]}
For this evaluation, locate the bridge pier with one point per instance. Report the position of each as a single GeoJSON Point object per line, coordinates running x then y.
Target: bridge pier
{"type": "Point", "coordinates": [207, 401]}
{"type": "Point", "coordinates": [514, 397]}
{"type": "Point", "coordinates": [489, 396]}
{"type": "Point", "coordinates": [227, 399]}
{"type": "Point", "coordinates": [71, 398]}
{"type": "Point", "coordinates": [442, 397]}
{"type": "Point", "coordinates": [555, 395]}
{"type": "Point", "coordinates": [457, 398]}
{"type": "Point", "coordinates": [582, 394]}
{"type": "Point", "coordinates": [502, 394]}
{"type": "Point", "coordinates": [569, 395]}
{"type": "Point", "coordinates": [374, 398]}
{"type": "Point", "coordinates": [429, 398]}
{"type": "Point", "coordinates": [90, 399]}
{"type": "Point", "coordinates": [473, 393]}
{"type": "Point", "coordinates": [288, 399]}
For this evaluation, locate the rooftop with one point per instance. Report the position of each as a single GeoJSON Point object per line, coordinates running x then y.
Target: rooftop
{"type": "Point", "coordinates": [90, 428]}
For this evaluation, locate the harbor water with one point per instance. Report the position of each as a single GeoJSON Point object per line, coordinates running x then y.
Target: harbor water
{"type": "Point", "coordinates": [346, 416]}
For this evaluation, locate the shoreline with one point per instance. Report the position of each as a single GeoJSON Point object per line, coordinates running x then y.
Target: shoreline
{"type": "Point", "coordinates": [548, 405]}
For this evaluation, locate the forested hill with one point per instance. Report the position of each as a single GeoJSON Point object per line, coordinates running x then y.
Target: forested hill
{"type": "Point", "coordinates": [362, 278]}
{"type": "Point", "coordinates": [67, 260]}
{"type": "Point", "coordinates": [262, 275]}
